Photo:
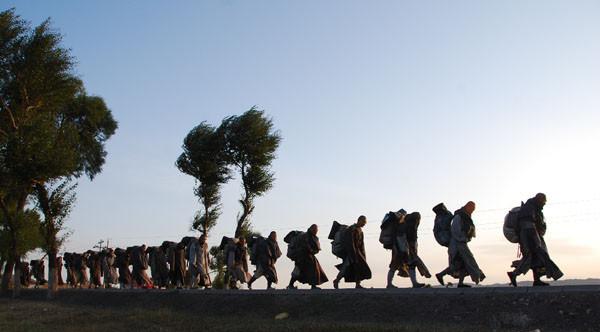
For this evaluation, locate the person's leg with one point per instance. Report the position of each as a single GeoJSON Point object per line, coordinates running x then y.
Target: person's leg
{"type": "Point", "coordinates": [537, 275]}
{"type": "Point", "coordinates": [412, 273]}
{"type": "Point", "coordinates": [461, 283]}
{"type": "Point", "coordinates": [440, 276]}
{"type": "Point", "coordinates": [336, 281]}
{"type": "Point", "coordinates": [292, 281]}
{"type": "Point", "coordinates": [257, 274]}
{"type": "Point", "coordinates": [341, 274]}
{"type": "Point", "coordinates": [390, 277]}
{"type": "Point", "coordinates": [251, 281]}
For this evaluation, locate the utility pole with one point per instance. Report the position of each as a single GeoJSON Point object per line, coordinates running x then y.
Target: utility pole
{"type": "Point", "coordinates": [99, 245]}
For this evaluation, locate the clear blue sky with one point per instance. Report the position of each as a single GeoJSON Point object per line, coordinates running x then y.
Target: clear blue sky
{"type": "Point", "coordinates": [381, 105]}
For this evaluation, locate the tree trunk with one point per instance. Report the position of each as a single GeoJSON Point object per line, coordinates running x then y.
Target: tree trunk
{"type": "Point", "coordinates": [206, 220]}
{"type": "Point", "coordinates": [247, 210]}
{"type": "Point", "coordinates": [17, 278]}
{"type": "Point", "coordinates": [8, 273]}
{"type": "Point", "coordinates": [52, 275]}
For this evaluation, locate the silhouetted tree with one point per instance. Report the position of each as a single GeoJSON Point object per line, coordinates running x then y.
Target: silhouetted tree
{"type": "Point", "coordinates": [55, 202]}
{"type": "Point", "coordinates": [203, 158]}
{"type": "Point", "coordinates": [250, 146]}
{"type": "Point", "coordinates": [50, 129]}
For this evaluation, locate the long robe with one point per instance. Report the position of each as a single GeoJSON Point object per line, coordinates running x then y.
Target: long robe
{"type": "Point", "coordinates": [157, 259]}
{"type": "Point", "coordinates": [25, 274]}
{"type": "Point", "coordinates": [193, 261]}
{"type": "Point", "coordinates": [139, 262]}
{"type": "Point", "coordinates": [71, 279]}
{"type": "Point", "coordinates": [176, 259]}
{"type": "Point", "coordinates": [267, 253]}
{"type": "Point", "coordinates": [122, 263]}
{"type": "Point", "coordinates": [80, 269]}
{"type": "Point", "coordinates": [95, 266]}
{"type": "Point", "coordinates": [204, 265]}
{"type": "Point", "coordinates": [238, 263]}
{"type": "Point", "coordinates": [461, 259]}
{"type": "Point", "coordinates": [308, 270]}
{"type": "Point", "coordinates": [532, 228]}
{"type": "Point", "coordinates": [109, 269]}
{"type": "Point", "coordinates": [405, 254]}
{"type": "Point", "coordinates": [59, 265]}
{"type": "Point", "coordinates": [37, 271]}
{"type": "Point", "coordinates": [354, 265]}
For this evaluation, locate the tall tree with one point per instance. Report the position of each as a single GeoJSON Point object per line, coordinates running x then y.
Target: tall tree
{"type": "Point", "coordinates": [250, 146]}
{"type": "Point", "coordinates": [50, 128]}
{"type": "Point", "coordinates": [55, 201]}
{"type": "Point", "coordinates": [203, 158]}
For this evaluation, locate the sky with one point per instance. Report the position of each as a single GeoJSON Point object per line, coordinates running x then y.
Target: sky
{"type": "Point", "coordinates": [381, 106]}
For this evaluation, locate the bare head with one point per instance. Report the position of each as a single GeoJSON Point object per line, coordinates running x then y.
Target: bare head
{"type": "Point", "coordinates": [242, 241]}
{"type": "Point", "coordinates": [362, 221]}
{"type": "Point", "coordinates": [203, 238]}
{"type": "Point", "coordinates": [469, 207]}
{"type": "Point", "coordinates": [314, 229]}
{"type": "Point", "coordinates": [540, 199]}
{"type": "Point", "coordinates": [273, 236]}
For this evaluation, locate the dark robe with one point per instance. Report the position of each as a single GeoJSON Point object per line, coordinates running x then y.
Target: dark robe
{"type": "Point", "coordinates": [109, 269]}
{"type": "Point", "coordinates": [238, 263]}
{"type": "Point", "coordinates": [122, 263]}
{"type": "Point", "coordinates": [176, 258]}
{"type": "Point", "coordinates": [95, 266]}
{"type": "Point", "coordinates": [37, 271]}
{"type": "Point", "coordinates": [59, 266]}
{"type": "Point", "coordinates": [159, 266]}
{"type": "Point", "coordinates": [354, 266]}
{"type": "Point", "coordinates": [25, 274]}
{"type": "Point", "coordinates": [405, 253]}
{"type": "Point", "coordinates": [139, 262]}
{"type": "Point", "coordinates": [68, 259]}
{"type": "Point", "coordinates": [308, 269]}
{"type": "Point", "coordinates": [80, 269]}
{"type": "Point", "coordinates": [461, 260]}
{"type": "Point", "coordinates": [267, 253]}
{"type": "Point", "coordinates": [532, 228]}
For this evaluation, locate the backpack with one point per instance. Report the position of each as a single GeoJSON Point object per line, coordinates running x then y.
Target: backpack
{"type": "Point", "coordinates": [337, 236]}
{"type": "Point", "coordinates": [387, 235]}
{"type": "Point", "coordinates": [511, 225]}
{"type": "Point", "coordinates": [441, 224]}
{"type": "Point", "coordinates": [293, 240]}
{"type": "Point", "coordinates": [253, 243]}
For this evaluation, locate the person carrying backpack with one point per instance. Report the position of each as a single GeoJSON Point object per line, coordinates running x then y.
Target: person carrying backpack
{"type": "Point", "coordinates": [354, 268]}
{"type": "Point", "coordinates": [532, 228]}
{"type": "Point", "coordinates": [405, 257]}
{"type": "Point", "coordinates": [267, 252]}
{"type": "Point", "coordinates": [307, 269]}
{"type": "Point", "coordinates": [443, 234]}
{"type": "Point", "coordinates": [462, 261]}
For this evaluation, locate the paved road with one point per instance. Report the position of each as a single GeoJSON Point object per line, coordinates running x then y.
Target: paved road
{"type": "Point", "coordinates": [553, 308]}
{"type": "Point", "coordinates": [399, 291]}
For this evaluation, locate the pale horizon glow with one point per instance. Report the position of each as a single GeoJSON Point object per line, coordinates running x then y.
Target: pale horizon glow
{"type": "Point", "coordinates": [381, 106]}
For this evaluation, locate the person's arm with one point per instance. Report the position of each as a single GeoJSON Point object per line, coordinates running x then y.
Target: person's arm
{"type": "Point", "coordinates": [457, 229]}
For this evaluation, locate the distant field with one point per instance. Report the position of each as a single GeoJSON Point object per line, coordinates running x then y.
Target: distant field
{"type": "Point", "coordinates": [484, 309]}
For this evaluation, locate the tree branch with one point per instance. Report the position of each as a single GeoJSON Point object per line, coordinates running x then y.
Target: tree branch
{"type": "Point", "coordinates": [4, 208]}
{"type": "Point", "coordinates": [10, 113]}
